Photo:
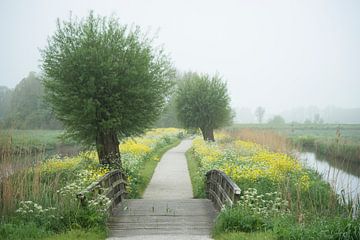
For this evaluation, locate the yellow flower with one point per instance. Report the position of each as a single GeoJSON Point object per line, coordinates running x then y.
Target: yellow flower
{"type": "Point", "coordinates": [134, 147]}
{"type": "Point", "coordinates": [304, 182]}
{"type": "Point", "coordinates": [243, 160]}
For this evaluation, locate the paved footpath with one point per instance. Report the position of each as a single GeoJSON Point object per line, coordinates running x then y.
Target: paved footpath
{"type": "Point", "coordinates": [168, 210]}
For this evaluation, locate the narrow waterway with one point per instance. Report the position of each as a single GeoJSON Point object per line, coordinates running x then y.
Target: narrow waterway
{"type": "Point", "coordinates": [343, 177]}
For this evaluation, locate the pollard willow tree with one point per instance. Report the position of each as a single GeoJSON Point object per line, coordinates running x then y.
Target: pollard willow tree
{"type": "Point", "coordinates": [104, 81]}
{"type": "Point", "coordinates": [203, 102]}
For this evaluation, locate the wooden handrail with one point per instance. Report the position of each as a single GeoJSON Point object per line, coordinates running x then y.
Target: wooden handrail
{"type": "Point", "coordinates": [220, 189]}
{"type": "Point", "coordinates": [112, 185]}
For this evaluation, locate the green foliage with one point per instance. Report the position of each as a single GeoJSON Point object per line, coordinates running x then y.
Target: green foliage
{"type": "Point", "coordinates": [252, 213]}
{"type": "Point", "coordinates": [104, 79]}
{"type": "Point", "coordinates": [203, 102]}
{"type": "Point", "coordinates": [277, 120]}
{"type": "Point", "coordinates": [238, 219]}
{"type": "Point", "coordinates": [23, 108]}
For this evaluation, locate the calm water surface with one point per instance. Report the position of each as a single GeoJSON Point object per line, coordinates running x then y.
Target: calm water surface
{"type": "Point", "coordinates": [343, 177]}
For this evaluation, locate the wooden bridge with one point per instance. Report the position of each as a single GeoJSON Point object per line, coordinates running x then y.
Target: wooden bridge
{"type": "Point", "coordinates": [170, 212]}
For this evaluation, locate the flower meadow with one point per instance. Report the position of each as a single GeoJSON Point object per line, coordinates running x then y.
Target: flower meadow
{"type": "Point", "coordinates": [248, 163]}
{"type": "Point", "coordinates": [279, 195]}
{"type": "Point", "coordinates": [41, 200]}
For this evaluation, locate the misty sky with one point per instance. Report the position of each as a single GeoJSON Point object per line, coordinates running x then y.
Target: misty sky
{"type": "Point", "coordinates": [277, 54]}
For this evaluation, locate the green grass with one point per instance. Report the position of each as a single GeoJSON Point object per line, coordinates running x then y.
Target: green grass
{"type": "Point", "coordinates": [349, 132]}
{"type": "Point", "coordinates": [91, 234]}
{"type": "Point", "coordinates": [148, 169]}
{"type": "Point", "coordinates": [246, 236]}
{"type": "Point", "coordinates": [12, 231]}
{"type": "Point", "coordinates": [197, 180]}
{"type": "Point", "coordinates": [30, 230]}
{"type": "Point", "coordinates": [33, 139]}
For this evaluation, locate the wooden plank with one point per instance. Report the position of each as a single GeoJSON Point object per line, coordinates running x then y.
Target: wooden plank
{"type": "Point", "coordinates": [162, 232]}
{"type": "Point", "coordinates": [119, 193]}
{"type": "Point", "coordinates": [160, 217]}
{"type": "Point", "coordinates": [159, 225]}
{"type": "Point", "coordinates": [148, 218]}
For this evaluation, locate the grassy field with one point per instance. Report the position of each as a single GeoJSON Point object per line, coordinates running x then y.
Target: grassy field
{"type": "Point", "coordinates": [32, 140]}
{"type": "Point", "coordinates": [349, 132]}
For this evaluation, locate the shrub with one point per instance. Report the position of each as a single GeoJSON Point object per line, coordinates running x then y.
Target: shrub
{"type": "Point", "coordinates": [253, 212]}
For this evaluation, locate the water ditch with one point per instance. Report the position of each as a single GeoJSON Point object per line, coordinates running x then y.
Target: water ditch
{"type": "Point", "coordinates": [344, 177]}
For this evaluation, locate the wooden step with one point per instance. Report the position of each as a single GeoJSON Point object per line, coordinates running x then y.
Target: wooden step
{"type": "Point", "coordinates": [162, 217]}
{"type": "Point", "coordinates": [147, 232]}
{"type": "Point", "coordinates": [159, 218]}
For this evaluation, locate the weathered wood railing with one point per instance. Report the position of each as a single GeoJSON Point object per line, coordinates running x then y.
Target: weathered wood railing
{"type": "Point", "coordinates": [220, 189]}
{"type": "Point", "coordinates": [112, 185]}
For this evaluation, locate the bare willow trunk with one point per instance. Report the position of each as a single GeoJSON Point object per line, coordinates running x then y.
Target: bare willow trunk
{"type": "Point", "coordinates": [107, 146]}
{"type": "Point", "coordinates": [208, 134]}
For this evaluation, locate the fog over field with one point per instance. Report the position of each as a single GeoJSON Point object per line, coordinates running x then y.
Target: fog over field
{"type": "Point", "coordinates": [282, 55]}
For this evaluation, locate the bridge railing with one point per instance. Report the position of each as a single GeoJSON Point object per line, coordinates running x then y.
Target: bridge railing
{"type": "Point", "coordinates": [112, 185]}
{"type": "Point", "coordinates": [220, 189]}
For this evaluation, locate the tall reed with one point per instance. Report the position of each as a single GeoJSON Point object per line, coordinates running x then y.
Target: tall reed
{"type": "Point", "coordinates": [16, 184]}
{"type": "Point", "coordinates": [273, 140]}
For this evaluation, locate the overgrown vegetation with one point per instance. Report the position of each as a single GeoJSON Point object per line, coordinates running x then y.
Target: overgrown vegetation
{"type": "Point", "coordinates": [340, 149]}
{"type": "Point", "coordinates": [279, 197]}
{"type": "Point", "coordinates": [39, 201]}
{"type": "Point", "coordinates": [333, 141]}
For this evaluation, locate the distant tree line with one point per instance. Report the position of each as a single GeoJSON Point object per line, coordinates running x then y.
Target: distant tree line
{"type": "Point", "coordinates": [24, 108]}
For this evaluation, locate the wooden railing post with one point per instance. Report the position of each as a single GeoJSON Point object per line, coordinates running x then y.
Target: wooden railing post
{"type": "Point", "coordinates": [221, 189]}
{"type": "Point", "coordinates": [112, 185]}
